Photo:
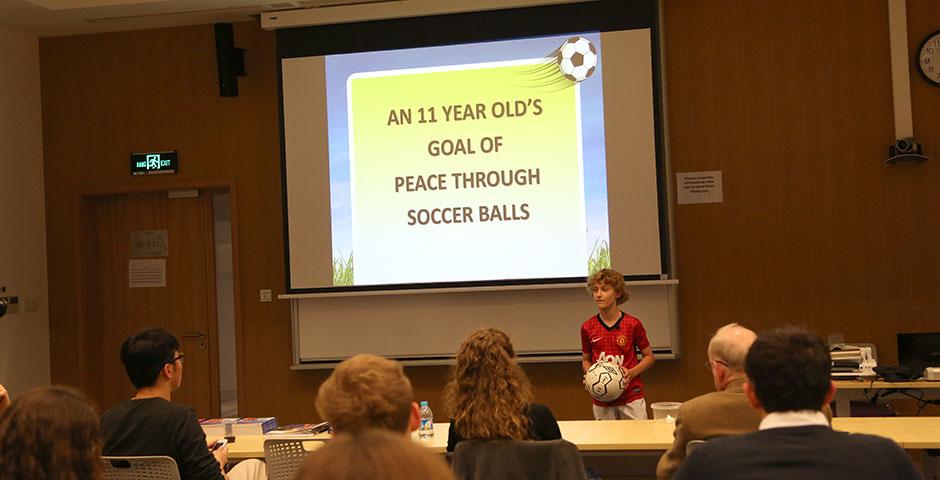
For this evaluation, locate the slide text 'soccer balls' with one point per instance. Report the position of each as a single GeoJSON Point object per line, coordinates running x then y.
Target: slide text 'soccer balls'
{"type": "Point", "coordinates": [604, 381]}
{"type": "Point", "coordinates": [577, 58]}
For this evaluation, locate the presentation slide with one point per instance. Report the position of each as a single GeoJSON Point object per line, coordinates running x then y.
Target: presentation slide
{"type": "Point", "coordinates": [459, 164]}
{"type": "Point", "coordinates": [469, 163]}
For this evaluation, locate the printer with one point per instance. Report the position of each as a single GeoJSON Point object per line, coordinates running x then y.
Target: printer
{"type": "Point", "coordinates": [852, 360]}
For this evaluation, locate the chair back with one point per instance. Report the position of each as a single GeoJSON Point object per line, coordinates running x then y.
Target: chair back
{"type": "Point", "coordinates": [692, 445]}
{"type": "Point", "coordinates": [513, 459]}
{"type": "Point", "coordinates": [140, 468]}
{"type": "Point", "coordinates": [283, 457]}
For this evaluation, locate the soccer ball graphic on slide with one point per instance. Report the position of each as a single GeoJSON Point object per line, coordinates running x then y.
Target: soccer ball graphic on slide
{"type": "Point", "coordinates": [577, 58]}
{"type": "Point", "coordinates": [604, 381]}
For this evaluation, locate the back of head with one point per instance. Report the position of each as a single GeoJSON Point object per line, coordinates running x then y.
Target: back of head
{"type": "Point", "coordinates": [488, 392]}
{"type": "Point", "coordinates": [373, 455]}
{"type": "Point", "coordinates": [789, 369]}
{"type": "Point", "coordinates": [730, 345]}
{"type": "Point", "coordinates": [366, 392]}
{"type": "Point", "coordinates": [50, 433]}
{"type": "Point", "coordinates": [611, 278]}
{"type": "Point", "coordinates": [145, 353]}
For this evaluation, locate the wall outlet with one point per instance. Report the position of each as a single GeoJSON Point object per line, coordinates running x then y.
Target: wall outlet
{"type": "Point", "coordinates": [266, 295]}
{"type": "Point", "coordinates": [30, 305]}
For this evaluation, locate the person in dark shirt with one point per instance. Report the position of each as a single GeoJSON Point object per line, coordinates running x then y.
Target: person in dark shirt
{"type": "Point", "coordinates": [148, 424]}
{"type": "Point", "coordinates": [490, 396]}
{"type": "Point", "coordinates": [789, 381]}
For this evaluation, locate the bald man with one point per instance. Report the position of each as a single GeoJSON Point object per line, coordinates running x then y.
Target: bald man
{"type": "Point", "coordinates": [723, 412]}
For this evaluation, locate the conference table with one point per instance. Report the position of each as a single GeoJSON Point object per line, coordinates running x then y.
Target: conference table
{"type": "Point", "coordinates": [848, 390]}
{"type": "Point", "coordinates": [911, 433]}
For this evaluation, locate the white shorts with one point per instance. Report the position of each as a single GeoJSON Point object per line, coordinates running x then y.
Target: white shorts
{"type": "Point", "coordinates": [635, 410]}
{"type": "Point", "coordinates": [251, 469]}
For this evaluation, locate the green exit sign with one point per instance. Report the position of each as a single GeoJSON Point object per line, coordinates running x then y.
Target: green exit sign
{"type": "Point", "coordinates": [153, 163]}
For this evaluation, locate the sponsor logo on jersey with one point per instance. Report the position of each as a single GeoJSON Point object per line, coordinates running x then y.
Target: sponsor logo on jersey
{"type": "Point", "coordinates": [615, 359]}
{"type": "Point", "coordinates": [595, 339]}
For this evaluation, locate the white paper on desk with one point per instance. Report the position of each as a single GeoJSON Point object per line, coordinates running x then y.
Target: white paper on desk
{"type": "Point", "coordinates": [149, 273]}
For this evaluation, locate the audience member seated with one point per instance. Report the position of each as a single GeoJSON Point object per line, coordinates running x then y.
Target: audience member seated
{"type": "Point", "coordinates": [518, 460]}
{"type": "Point", "coordinates": [490, 396]}
{"type": "Point", "coordinates": [365, 392]}
{"type": "Point", "coordinates": [148, 424]}
{"type": "Point", "coordinates": [4, 399]}
{"type": "Point", "coordinates": [50, 433]}
{"type": "Point", "coordinates": [789, 381]}
{"type": "Point", "coordinates": [723, 412]}
{"type": "Point", "coordinates": [373, 455]}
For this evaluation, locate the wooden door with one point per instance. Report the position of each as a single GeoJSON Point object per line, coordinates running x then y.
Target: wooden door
{"type": "Point", "coordinates": [185, 307]}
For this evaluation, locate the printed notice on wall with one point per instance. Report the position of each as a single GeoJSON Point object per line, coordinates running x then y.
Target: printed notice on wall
{"type": "Point", "coordinates": [150, 243]}
{"type": "Point", "coordinates": [149, 273]}
{"type": "Point", "coordinates": [698, 187]}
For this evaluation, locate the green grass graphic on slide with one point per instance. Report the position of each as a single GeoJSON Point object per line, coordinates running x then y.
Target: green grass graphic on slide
{"type": "Point", "coordinates": [343, 271]}
{"type": "Point", "coordinates": [343, 267]}
{"type": "Point", "coordinates": [600, 257]}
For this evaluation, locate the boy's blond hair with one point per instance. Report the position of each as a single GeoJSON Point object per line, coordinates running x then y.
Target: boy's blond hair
{"type": "Point", "coordinates": [366, 392]}
{"type": "Point", "coordinates": [611, 278]}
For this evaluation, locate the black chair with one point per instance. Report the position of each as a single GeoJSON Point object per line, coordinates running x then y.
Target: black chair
{"type": "Point", "coordinates": [512, 460]}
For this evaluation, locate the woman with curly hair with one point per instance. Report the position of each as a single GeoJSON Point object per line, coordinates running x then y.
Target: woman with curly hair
{"type": "Point", "coordinates": [490, 396]}
{"type": "Point", "coordinates": [50, 433]}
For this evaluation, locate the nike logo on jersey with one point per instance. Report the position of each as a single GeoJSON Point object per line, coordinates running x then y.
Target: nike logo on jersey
{"type": "Point", "coordinates": [595, 340]}
{"type": "Point", "coordinates": [615, 359]}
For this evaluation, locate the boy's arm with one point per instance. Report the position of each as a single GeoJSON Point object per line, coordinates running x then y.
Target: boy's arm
{"type": "Point", "coordinates": [644, 365]}
{"type": "Point", "coordinates": [585, 351]}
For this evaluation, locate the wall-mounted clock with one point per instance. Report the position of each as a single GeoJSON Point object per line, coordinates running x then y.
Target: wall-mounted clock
{"type": "Point", "coordinates": [928, 58]}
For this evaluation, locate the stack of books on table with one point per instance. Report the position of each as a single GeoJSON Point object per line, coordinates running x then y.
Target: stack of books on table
{"type": "Point", "coordinates": [300, 429]}
{"type": "Point", "coordinates": [254, 426]}
{"type": "Point", "coordinates": [222, 427]}
{"type": "Point", "coordinates": [215, 427]}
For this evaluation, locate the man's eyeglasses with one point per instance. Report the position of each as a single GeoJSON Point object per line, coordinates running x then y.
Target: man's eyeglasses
{"type": "Point", "coordinates": [709, 364]}
{"type": "Point", "coordinates": [179, 357]}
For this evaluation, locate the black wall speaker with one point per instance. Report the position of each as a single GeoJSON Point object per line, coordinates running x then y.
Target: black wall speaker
{"type": "Point", "coordinates": [229, 59]}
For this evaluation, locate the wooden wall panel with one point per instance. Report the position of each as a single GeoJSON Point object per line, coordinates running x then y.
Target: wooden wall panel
{"type": "Point", "coordinates": [791, 100]}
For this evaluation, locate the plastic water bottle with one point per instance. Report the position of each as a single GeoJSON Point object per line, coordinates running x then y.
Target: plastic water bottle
{"type": "Point", "coordinates": [426, 429]}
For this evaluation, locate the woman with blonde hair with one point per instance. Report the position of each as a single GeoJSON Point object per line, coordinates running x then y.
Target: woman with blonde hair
{"type": "Point", "coordinates": [50, 433]}
{"type": "Point", "coordinates": [490, 396]}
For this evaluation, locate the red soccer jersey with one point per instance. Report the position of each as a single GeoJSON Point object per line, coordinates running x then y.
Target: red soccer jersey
{"type": "Point", "coordinates": [618, 345]}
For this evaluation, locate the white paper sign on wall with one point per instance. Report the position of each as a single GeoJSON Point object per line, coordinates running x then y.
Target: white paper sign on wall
{"type": "Point", "coordinates": [698, 187]}
{"type": "Point", "coordinates": [150, 273]}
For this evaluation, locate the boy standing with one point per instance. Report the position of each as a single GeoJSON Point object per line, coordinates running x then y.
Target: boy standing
{"type": "Point", "coordinates": [614, 337]}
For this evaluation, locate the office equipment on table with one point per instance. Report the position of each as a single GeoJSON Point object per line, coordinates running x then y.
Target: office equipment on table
{"type": "Point", "coordinates": [919, 351]}
{"type": "Point", "coordinates": [853, 360]}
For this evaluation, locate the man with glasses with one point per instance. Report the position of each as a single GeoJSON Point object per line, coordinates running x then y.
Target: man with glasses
{"type": "Point", "coordinates": [148, 424]}
{"type": "Point", "coordinates": [723, 412]}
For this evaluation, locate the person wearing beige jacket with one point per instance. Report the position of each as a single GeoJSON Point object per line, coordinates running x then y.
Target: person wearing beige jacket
{"type": "Point", "coordinates": [723, 412]}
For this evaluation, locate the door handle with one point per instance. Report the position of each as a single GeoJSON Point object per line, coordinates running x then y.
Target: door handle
{"type": "Point", "coordinates": [200, 336]}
